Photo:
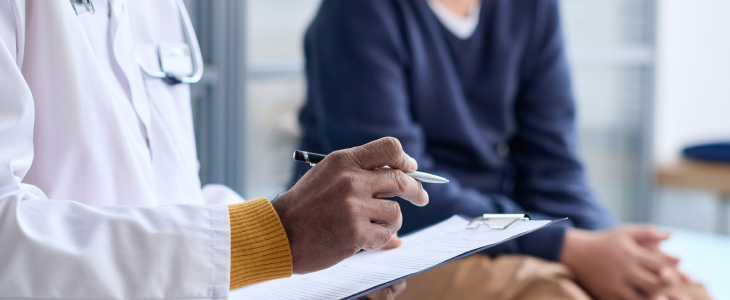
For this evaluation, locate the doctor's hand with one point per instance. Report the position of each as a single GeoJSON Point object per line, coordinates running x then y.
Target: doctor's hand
{"type": "Point", "coordinates": [621, 263]}
{"type": "Point", "coordinates": [336, 209]}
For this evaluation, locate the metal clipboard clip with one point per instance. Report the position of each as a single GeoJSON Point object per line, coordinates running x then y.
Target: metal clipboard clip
{"type": "Point", "coordinates": [485, 218]}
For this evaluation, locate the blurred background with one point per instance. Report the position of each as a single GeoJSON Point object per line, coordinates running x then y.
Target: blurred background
{"type": "Point", "coordinates": [650, 77]}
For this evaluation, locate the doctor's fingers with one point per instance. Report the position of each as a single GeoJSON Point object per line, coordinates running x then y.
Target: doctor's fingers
{"type": "Point", "coordinates": [386, 183]}
{"type": "Point", "coordinates": [382, 294]}
{"type": "Point", "coordinates": [398, 287]}
{"type": "Point", "coordinates": [384, 212]}
{"type": "Point", "coordinates": [394, 242]}
{"type": "Point", "coordinates": [372, 236]}
{"type": "Point", "coordinates": [386, 293]}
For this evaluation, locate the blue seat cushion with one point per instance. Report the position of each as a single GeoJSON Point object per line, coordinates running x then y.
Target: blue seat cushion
{"type": "Point", "coordinates": [718, 152]}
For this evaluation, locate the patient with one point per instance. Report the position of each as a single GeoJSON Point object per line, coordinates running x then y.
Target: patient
{"type": "Point", "coordinates": [480, 93]}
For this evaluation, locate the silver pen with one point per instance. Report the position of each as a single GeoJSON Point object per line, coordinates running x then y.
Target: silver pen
{"type": "Point", "coordinates": [314, 158]}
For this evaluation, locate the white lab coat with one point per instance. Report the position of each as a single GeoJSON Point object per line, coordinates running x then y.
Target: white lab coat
{"type": "Point", "coordinates": [99, 190]}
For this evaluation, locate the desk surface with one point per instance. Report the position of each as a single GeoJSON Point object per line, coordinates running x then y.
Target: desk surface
{"type": "Point", "coordinates": [696, 175]}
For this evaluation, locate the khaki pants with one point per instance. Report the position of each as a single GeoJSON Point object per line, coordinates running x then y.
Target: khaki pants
{"type": "Point", "coordinates": [507, 277]}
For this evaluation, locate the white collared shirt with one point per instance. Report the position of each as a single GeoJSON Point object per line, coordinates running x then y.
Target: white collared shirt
{"type": "Point", "coordinates": [99, 190]}
{"type": "Point", "coordinates": [461, 26]}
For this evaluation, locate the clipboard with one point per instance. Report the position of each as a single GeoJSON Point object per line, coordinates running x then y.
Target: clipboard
{"type": "Point", "coordinates": [449, 240]}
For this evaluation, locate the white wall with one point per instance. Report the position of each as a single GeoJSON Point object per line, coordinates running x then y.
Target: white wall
{"type": "Point", "coordinates": [692, 100]}
{"type": "Point", "coordinates": [693, 75]}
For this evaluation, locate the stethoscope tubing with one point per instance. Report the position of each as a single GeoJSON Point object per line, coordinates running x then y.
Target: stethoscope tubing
{"type": "Point", "coordinates": [194, 48]}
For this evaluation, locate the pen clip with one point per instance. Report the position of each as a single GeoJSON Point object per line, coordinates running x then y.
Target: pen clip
{"type": "Point", "coordinates": [306, 158]}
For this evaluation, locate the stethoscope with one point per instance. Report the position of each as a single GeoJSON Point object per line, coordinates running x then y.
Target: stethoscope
{"type": "Point", "coordinates": [174, 59]}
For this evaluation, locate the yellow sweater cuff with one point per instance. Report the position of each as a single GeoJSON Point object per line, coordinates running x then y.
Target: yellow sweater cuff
{"type": "Point", "coordinates": [259, 246]}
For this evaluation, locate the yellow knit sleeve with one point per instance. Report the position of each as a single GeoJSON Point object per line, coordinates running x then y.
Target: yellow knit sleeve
{"type": "Point", "coordinates": [259, 246]}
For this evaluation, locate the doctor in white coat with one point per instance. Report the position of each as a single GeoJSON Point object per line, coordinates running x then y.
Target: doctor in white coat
{"type": "Point", "coordinates": [99, 190]}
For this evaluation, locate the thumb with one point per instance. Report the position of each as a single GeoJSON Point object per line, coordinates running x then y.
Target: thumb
{"type": "Point", "coordinates": [386, 151]}
{"type": "Point", "coordinates": [394, 242]}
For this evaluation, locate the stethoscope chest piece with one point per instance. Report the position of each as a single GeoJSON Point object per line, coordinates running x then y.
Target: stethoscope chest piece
{"type": "Point", "coordinates": [175, 61]}
{"type": "Point", "coordinates": [179, 62]}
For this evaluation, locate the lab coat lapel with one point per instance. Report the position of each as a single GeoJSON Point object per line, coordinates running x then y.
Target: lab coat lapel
{"type": "Point", "coordinates": [124, 51]}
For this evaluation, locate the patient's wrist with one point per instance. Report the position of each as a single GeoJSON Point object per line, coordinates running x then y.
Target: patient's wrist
{"type": "Point", "coordinates": [574, 244]}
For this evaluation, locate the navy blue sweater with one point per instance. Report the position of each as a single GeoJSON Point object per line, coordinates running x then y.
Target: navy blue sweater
{"type": "Point", "coordinates": [493, 113]}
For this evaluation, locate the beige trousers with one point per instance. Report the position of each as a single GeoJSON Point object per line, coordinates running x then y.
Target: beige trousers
{"type": "Point", "coordinates": [507, 277]}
